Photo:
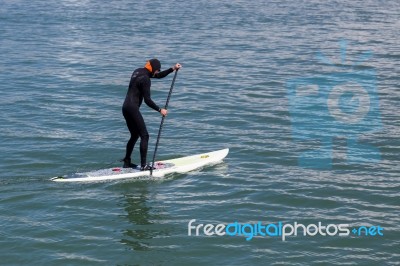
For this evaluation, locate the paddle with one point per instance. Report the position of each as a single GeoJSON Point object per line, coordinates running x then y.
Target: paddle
{"type": "Point", "coordinates": [162, 121]}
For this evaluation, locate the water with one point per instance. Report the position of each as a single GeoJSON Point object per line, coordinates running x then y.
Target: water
{"type": "Point", "coordinates": [64, 70]}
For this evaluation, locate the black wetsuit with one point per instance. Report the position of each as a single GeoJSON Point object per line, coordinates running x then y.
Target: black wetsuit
{"type": "Point", "coordinates": [139, 90]}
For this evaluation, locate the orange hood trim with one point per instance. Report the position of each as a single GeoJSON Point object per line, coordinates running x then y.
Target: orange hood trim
{"type": "Point", "coordinates": [148, 66]}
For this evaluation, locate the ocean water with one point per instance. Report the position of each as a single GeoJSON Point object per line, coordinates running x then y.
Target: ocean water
{"type": "Point", "coordinates": [64, 71]}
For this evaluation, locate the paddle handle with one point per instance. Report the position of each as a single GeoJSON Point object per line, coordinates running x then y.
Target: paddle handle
{"type": "Point", "coordinates": [162, 122]}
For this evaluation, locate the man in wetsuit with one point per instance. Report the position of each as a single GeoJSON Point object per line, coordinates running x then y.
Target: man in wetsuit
{"type": "Point", "coordinates": [139, 90]}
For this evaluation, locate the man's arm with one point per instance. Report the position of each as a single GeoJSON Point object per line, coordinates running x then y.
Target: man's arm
{"type": "Point", "coordinates": [146, 95]}
{"type": "Point", "coordinates": [166, 72]}
{"type": "Point", "coordinates": [163, 73]}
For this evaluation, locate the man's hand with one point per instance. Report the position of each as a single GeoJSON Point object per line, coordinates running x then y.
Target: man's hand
{"type": "Point", "coordinates": [177, 66]}
{"type": "Point", "coordinates": [164, 112]}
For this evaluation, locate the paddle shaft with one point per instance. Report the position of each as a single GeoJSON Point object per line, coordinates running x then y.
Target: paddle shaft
{"type": "Point", "coordinates": [162, 121]}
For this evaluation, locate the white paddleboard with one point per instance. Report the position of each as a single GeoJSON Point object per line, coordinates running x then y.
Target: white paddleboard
{"type": "Point", "coordinates": [178, 165]}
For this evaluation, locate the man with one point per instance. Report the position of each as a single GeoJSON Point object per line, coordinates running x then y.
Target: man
{"type": "Point", "coordinates": [139, 90]}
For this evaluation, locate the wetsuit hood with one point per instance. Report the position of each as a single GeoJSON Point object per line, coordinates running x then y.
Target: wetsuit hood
{"type": "Point", "coordinates": [153, 65]}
